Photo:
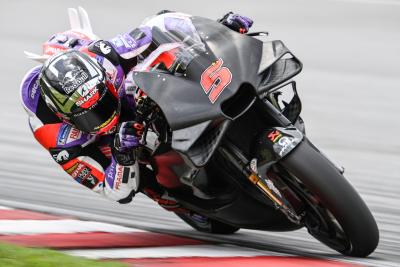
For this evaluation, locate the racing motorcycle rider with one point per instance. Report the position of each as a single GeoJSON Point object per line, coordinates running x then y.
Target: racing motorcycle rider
{"type": "Point", "coordinates": [82, 112]}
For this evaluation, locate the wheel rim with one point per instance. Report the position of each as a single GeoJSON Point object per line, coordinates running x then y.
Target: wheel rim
{"type": "Point", "coordinates": [319, 221]}
{"type": "Point", "coordinates": [321, 224]}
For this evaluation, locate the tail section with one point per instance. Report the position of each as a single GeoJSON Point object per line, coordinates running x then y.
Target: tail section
{"type": "Point", "coordinates": [80, 24]}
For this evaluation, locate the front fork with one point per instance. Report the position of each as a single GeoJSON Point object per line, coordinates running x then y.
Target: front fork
{"type": "Point", "coordinates": [272, 145]}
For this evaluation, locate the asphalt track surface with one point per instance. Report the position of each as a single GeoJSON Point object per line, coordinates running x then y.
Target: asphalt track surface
{"type": "Point", "coordinates": [350, 87]}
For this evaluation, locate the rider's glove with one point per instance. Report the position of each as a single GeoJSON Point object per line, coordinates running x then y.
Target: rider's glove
{"type": "Point", "coordinates": [126, 140]}
{"type": "Point", "coordinates": [128, 136]}
{"type": "Point", "coordinates": [236, 22]}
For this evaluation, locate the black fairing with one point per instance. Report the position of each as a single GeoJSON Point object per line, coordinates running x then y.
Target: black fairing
{"type": "Point", "coordinates": [198, 126]}
{"type": "Point", "coordinates": [182, 99]}
{"type": "Point", "coordinates": [256, 66]}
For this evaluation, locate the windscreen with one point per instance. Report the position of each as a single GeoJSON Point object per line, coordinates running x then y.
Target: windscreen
{"type": "Point", "coordinates": [183, 47]}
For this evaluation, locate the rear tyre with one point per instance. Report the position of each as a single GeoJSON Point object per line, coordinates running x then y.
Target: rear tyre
{"type": "Point", "coordinates": [207, 225]}
{"type": "Point", "coordinates": [336, 214]}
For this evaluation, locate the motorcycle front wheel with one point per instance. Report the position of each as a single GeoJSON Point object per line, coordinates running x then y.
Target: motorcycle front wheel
{"type": "Point", "coordinates": [335, 213]}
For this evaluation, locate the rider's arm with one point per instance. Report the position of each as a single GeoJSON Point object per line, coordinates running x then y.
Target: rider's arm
{"type": "Point", "coordinates": [124, 50]}
{"type": "Point", "coordinates": [87, 161]}
{"type": "Point", "coordinates": [137, 44]}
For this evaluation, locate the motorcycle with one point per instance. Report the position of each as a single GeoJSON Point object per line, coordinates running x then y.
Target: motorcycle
{"type": "Point", "coordinates": [224, 137]}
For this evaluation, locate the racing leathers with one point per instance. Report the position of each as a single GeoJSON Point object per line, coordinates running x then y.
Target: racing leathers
{"type": "Point", "coordinates": [90, 159]}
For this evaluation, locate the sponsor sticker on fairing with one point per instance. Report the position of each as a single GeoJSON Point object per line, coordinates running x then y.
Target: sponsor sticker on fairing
{"type": "Point", "coordinates": [286, 143]}
{"type": "Point", "coordinates": [271, 186]}
{"type": "Point", "coordinates": [274, 136]}
{"type": "Point", "coordinates": [253, 165]}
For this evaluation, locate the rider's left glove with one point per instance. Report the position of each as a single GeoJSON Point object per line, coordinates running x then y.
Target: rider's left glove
{"type": "Point", "coordinates": [126, 140]}
{"type": "Point", "coordinates": [237, 22]}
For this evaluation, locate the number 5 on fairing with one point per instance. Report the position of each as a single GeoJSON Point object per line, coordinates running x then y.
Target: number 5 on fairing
{"type": "Point", "coordinates": [215, 79]}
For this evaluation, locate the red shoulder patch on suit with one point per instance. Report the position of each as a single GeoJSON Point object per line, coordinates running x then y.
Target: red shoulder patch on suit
{"type": "Point", "coordinates": [47, 135]}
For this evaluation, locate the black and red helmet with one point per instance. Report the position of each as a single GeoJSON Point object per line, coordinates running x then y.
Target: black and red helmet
{"type": "Point", "coordinates": [77, 89]}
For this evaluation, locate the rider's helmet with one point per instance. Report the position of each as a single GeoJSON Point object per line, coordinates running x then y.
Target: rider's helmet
{"type": "Point", "coordinates": [77, 89]}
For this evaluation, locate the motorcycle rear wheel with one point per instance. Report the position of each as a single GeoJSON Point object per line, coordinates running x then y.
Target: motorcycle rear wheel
{"type": "Point", "coordinates": [336, 214]}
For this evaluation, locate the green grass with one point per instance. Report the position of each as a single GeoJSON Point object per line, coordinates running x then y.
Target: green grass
{"type": "Point", "coordinates": [14, 256]}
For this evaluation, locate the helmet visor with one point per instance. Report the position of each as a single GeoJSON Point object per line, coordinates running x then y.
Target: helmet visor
{"type": "Point", "coordinates": [99, 115]}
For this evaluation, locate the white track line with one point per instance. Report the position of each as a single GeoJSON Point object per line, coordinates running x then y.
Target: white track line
{"type": "Point", "coordinates": [27, 227]}
{"type": "Point", "coordinates": [167, 252]}
{"type": "Point", "coordinates": [5, 208]}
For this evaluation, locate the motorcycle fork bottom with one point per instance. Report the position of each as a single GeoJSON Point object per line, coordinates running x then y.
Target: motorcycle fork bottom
{"type": "Point", "coordinates": [265, 185]}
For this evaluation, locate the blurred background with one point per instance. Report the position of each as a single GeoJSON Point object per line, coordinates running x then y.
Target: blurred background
{"type": "Point", "coordinates": [350, 88]}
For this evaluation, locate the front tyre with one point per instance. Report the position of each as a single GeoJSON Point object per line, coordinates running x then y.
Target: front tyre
{"type": "Point", "coordinates": [336, 215]}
